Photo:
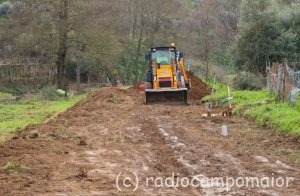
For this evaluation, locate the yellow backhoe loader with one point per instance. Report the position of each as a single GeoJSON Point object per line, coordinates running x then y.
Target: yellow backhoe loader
{"type": "Point", "coordinates": [166, 80]}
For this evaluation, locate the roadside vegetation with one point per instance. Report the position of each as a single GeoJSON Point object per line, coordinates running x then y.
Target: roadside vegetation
{"type": "Point", "coordinates": [259, 106]}
{"type": "Point", "coordinates": [16, 115]}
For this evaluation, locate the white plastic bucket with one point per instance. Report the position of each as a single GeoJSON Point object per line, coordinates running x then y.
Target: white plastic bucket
{"type": "Point", "coordinates": [224, 130]}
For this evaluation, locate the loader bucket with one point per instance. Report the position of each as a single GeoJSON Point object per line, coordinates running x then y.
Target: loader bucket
{"type": "Point", "coordinates": [167, 96]}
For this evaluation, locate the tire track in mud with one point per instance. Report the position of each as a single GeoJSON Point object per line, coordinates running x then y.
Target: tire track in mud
{"type": "Point", "coordinates": [199, 157]}
{"type": "Point", "coordinates": [132, 145]}
{"type": "Point", "coordinates": [188, 159]}
{"type": "Point", "coordinates": [83, 150]}
{"type": "Point", "coordinates": [164, 161]}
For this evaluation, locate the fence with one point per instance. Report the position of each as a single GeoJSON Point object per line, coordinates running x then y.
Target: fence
{"type": "Point", "coordinates": [24, 60]}
{"type": "Point", "coordinates": [26, 74]}
{"type": "Point", "coordinates": [282, 81]}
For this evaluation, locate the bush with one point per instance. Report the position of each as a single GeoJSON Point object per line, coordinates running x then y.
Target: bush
{"type": "Point", "coordinates": [14, 90]}
{"type": "Point", "coordinates": [248, 81]}
{"type": "Point", "coordinates": [5, 8]}
{"type": "Point", "coordinates": [49, 93]}
{"type": "Point", "coordinates": [20, 90]}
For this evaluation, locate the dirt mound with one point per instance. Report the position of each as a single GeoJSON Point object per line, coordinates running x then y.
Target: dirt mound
{"type": "Point", "coordinates": [199, 88]}
{"type": "Point", "coordinates": [138, 86]}
{"type": "Point", "coordinates": [197, 92]}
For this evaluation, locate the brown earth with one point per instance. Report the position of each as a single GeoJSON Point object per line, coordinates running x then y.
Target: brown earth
{"type": "Point", "coordinates": [83, 150]}
{"type": "Point", "coordinates": [199, 88]}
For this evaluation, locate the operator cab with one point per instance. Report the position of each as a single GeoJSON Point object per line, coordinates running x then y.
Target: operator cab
{"type": "Point", "coordinates": [163, 55]}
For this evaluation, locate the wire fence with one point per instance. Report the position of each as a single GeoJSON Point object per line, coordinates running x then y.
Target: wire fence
{"type": "Point", "coordinates": [283, 81]}
{"type": "Point", "coordinates": [26, 74]}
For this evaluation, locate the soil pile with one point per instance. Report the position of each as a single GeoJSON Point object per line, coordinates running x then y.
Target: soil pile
{"type": "Point", "coordinates": [139, 86]}
{"type": "Point", "coordinates": [199, 88]}
{"type": "Point", "coordinates": [197, 92]}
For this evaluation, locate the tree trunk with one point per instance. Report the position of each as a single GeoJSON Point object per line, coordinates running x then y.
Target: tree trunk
{"type": "Point", "coordinates": [127, 67]}
{"type": "Point", "coordinates": [138, 51]}
{"type": "Point", "coordinates": [207, 47]}
{"type": "Point", "coordinates": [127, 56]}
{"type": "Point", "coordinates": [62, 45]}
{"type": "Point", "coordinates": [206, 50]}
{"type": "Point", "coordinates": [78, 77]}
{"type": "Point", "coordinates": [88, 77]}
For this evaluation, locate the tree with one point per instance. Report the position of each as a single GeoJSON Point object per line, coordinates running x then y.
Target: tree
{"type": "Point", "coordinates": [63, 29]}
{"type": "Point", "coordinates": [57, 31]}
{"type": "Point", "coordinates": [43, 29]}
{"type": "Point", "coordinates": [144, 24]}
{"type": "Point", "coordinates": [264, 35]}
{"type": "Point", "coordinates": [204, 22]}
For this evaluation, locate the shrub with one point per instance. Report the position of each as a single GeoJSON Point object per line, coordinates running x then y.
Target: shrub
{"type": "Point", "coordinates": [5, 8]}
{"type": "Point", "coordinates": [49, 93]}
{"type": "Point", "coordinates": [14, 90]}
{"type": "Point", "coordinates": [248, 81]}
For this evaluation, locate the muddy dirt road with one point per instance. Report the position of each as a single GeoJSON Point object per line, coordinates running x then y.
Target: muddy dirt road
{"type": "Point", "coordinates": [113, 137]}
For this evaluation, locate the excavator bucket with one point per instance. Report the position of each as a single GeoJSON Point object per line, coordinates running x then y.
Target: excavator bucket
{"type": "Point", "coordinates": [167, 96]}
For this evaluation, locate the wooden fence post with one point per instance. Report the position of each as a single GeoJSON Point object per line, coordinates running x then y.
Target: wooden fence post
{"type": "Point", "coordinates": [284, 78]}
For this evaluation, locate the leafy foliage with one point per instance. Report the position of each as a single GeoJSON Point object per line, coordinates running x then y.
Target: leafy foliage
{"type": "Point", "coordinates": [248, 81]}
{"type": "Point", "coordinates": [5, 8]}
{"type": "Point", "coordinates": [49, 93]}
{"type": "Point", "coordinates": [109, 38]}
{"type": "Point", "coordinates": [266, 35]}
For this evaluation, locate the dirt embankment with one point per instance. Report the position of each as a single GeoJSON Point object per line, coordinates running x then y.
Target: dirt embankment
{"type": "Point", "coordinates": [199, 88]}
{"type": "Point", "coordinates": [82, 151]}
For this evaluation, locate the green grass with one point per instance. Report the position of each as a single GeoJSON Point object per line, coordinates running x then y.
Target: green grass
{"type": "Point", "coordinates": [125, 87]}
{"type": "Point", "coordinates": [17, 115]}
{"type": "Point", "coordinates": [1, 21]}
{"type": "Point", "coordinates": [5, 96]}
{"type": "Point", "coordinates": [280, 116]}
{"type": "Point", "coordinates": [11, 167]}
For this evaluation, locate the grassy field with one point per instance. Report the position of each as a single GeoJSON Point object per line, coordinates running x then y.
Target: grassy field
{"type": "Point", "coordinates": [17, 115]}
{"type": "Point", "coordinates": [261, 107]}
